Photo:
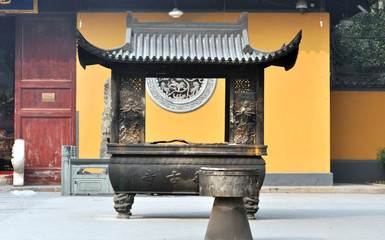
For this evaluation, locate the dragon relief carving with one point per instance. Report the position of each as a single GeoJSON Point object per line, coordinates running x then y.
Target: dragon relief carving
{"type": "Point", "coordinates": [180, 88]}
{"type": "Point", "coordinates": [180, 94]}
{"type": "Point", "coordinates": [245, 119]}
{"type": "Point", "coordinates": [131, 117]}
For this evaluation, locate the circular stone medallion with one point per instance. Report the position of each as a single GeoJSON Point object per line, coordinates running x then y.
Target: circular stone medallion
{"type": "Point", "coordinates": [180, 94]}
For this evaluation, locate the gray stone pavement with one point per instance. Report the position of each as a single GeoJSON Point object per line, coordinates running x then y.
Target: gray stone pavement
{"type": "Point", "coordinates": [336, 188]}
{"type": "Point", "coordinates": [282, 216]}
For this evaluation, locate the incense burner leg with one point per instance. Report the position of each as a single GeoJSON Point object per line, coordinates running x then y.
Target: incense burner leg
{"type": "Point", "coordinates": [251, 206]}
{"type": "Point", "coordinates": [123, 204]}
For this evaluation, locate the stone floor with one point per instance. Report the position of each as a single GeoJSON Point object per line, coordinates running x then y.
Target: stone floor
{"type": "Point", "coordinates": [47, 215]}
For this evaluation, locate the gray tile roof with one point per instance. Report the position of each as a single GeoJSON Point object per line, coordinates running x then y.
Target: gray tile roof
{"type": "Point", "coordinates": [186, 42]}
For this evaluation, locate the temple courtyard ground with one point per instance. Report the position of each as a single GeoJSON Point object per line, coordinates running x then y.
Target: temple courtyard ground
{"type": "Point", "coordinates": [29, 214]}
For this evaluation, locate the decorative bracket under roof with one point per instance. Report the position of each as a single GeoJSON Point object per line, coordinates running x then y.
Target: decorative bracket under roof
{"type": "Point", "coordinates": [188, 43]}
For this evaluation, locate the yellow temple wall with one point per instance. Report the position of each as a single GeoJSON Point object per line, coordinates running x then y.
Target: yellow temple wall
{"type": "Point", "coordinates": [357, 124]}
{"type": "Point", "coordinates": [297, 102]}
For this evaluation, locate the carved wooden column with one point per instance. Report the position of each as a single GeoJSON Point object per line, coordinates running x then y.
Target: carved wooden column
{"type": "Point", "coordinates": [246, 117]}
{"type": "Point", "coordinates": [259, 78]}
{"type": "Point", "coordinates": [229, 110]}
{"type": "Point", "coordinates": [115, 101]}
{"type": "Point", "coordinates": [132, 108]}
{"type": "Point", "coordinates": [243, 111]}
{"type": "Point", "coordinates": [242, 99]}
{"type": "Point", "coordinates": [122, 202]}
{"type": "Point", "coordinates": [246, 103]}
{"type": "Point", "coordinates": [127, 126]}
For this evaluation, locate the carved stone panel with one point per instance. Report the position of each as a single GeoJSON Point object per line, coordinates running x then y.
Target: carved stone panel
{"type": "Point", "coordinates": [180, 94]}
{"type": "Point", "coordinates": [244, 112]}
{"type": "Point", "coordinates": [131, 110]}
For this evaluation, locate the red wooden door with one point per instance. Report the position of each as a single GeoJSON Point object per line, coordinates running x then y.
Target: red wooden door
{"type": "Point", "coordinates": [45, 81]}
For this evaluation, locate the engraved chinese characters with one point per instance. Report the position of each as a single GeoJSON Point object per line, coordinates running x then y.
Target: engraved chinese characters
{"type": "Point", "coordinates": [180, 94]}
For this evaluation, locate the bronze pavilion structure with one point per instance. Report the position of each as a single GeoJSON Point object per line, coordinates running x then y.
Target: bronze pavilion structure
{"type": "Point", "coordinates": [178, 50]}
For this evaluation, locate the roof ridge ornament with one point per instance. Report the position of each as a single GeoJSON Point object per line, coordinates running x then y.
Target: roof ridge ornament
{"type": "Point", "coordinates": [248, 49]}
{"type": "Point", "coordinates": [127, 47]}
{"type": "Point", "coordinates": [243, 20]}
{"type": "Point", "coordinates": [130, 19]}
